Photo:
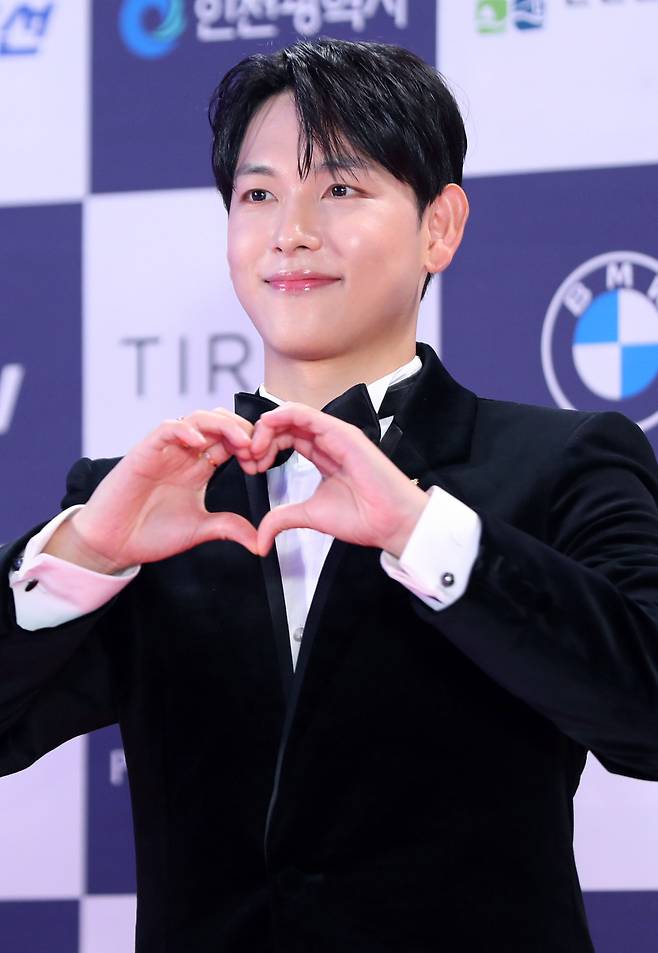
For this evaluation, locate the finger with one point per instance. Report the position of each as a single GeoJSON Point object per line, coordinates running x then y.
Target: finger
{"type": "Point", "coordinates": [179, 432]}
{"type": "Point", "coordinates": [288, 516]}
{"type": "Point", "coordinates": [325, 463]}
{"type": "Point", "coordinates": [219, 452]}
{"type": "Point", "coordinates": [228, 526]}
{"type": "Point", "coordinates": [291, 418]}
{"type": "Point", "coordinates": [211, 424]}
{"type": "Point", "coordinates": [246, 425]}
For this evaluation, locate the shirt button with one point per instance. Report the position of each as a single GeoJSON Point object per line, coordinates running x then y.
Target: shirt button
{"type": "Point", "coordinates": [298, 633]}
{"type": "Point", "coordinates": [447, 580]}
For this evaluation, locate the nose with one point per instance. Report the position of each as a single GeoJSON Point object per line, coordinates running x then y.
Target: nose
{"type": "Point", "coordinates": [297, 226]}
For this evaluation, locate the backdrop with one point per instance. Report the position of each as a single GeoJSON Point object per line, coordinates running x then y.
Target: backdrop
{"type": "Point", "coordinates": [116, 310]}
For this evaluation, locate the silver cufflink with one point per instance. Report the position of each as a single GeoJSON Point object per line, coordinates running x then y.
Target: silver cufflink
{"type": "Point", "coordinates": [447, 580]}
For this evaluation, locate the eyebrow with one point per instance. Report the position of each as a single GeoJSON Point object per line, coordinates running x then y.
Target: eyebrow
{"type": "Point", "coordinates": [332, 165]}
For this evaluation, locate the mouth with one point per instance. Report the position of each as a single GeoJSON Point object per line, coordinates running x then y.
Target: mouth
{"type": "Point", "coordinates": [299, 282]}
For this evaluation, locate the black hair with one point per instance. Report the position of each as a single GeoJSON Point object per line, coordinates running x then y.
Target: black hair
{"type": "Point", "coordinates": [380, 99]}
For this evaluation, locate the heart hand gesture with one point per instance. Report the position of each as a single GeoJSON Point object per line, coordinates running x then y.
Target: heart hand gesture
{"type": "Point", "coordinates": [363, 498]}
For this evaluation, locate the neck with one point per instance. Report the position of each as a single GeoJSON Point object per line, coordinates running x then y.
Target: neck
{"type": "Point", "coordinates": [316, 382]}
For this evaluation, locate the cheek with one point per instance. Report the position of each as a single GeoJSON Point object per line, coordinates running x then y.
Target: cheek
{"type": "Point", "coordinates": [242, 246]}
{"type": "Point", "coordinates": [381, 239]}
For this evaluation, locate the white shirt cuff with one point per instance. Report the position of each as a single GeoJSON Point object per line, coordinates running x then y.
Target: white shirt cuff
{"type": "Point", "coordinates": [437, 561]}
{"type": "Point", "coordinates": [49, 591]}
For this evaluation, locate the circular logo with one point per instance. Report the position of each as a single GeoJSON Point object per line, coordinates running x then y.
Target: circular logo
{"type": "Point", "coordinates": [599, 344]}
{"type": "Point", "coordinates": [146, 41]}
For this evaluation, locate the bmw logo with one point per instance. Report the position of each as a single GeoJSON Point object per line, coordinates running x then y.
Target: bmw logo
{"type": "Point", "coordinates": [599, 343]}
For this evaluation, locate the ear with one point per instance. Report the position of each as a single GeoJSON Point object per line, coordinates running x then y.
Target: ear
{"type": "Point", "coordinates": [446, 218]}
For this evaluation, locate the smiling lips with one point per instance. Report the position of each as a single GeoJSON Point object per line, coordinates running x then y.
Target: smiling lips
{"type": "Point", "coordinates": [299, 282]}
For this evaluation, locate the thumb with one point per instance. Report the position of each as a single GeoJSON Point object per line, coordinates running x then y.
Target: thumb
{"type": "Point", "coordinates": [288, 516]}
{"type": "Point", "coordinates": [227, 526]}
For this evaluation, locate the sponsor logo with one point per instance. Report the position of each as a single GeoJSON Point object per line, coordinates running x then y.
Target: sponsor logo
{"type": "Point", "coordinates": [225, 20]}
{"type": "Point", "coordinates": [148, 40]}
{"type": "Point", "coordinates": [493, 16]}
{"type": "Point", "coordinates": [599, 343]}
{"type": "Point", "coordinates": [23, 27]}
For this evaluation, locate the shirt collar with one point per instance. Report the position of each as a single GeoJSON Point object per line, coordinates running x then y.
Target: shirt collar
{"type": "Point", "coordinates": [377, 390]}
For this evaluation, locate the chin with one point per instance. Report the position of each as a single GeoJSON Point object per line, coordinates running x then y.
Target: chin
{"type": "Point", "coordinates": [303, 348]}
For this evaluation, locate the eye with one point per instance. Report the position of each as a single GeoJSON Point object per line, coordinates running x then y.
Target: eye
{"type": "Point", "coordinates": [248, 195]}
{"type": "Point", "coordinates": [341, 185]}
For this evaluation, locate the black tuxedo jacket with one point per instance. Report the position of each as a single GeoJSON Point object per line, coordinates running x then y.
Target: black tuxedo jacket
{"type": "Point", "coordinates": [410, 787]}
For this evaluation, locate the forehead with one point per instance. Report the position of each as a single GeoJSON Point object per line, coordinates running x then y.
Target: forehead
{"type": "Point", "coordinates": [272, 138]}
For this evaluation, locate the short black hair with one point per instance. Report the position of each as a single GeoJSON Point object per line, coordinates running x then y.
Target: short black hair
{"type": "Point", "coordinates": [380, 99]}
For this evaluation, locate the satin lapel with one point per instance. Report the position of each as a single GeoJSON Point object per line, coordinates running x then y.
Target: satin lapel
{"type": "Point", "coordinates": [433, 430]}
{"type": "Point", "coordinates": [259, 505]}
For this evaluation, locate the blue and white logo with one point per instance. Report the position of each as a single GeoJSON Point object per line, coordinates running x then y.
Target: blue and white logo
{"type": "Point", "coordinates": [600, 337]}
{"type": "Point", "coordinates": [24, 28]}
{"type": "Point", "coordinates": [529, 14]}
{"type": "Point", "coordinates": [151, 42]}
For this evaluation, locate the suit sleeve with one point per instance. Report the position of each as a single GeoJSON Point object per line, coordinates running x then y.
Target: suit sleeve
{"type": "Point", "coordinates": [56, 682]}
{"type": "Point", "coordinates": [570, 624]}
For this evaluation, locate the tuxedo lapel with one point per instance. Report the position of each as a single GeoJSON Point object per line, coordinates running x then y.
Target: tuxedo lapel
{"type": "Point", "coordinates": [259, 505]}
{"type": "Point", "coordinates": [432, 430]}
{"type": "Point", "coordinates": [220, 494]}
{"type": "Point", "coordinates": [436, 421]}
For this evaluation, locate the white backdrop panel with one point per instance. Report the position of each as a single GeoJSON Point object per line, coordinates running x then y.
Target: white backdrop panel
{"type": "Point", "coordinates": [579, 91]}
{"type": "Point", "coordinates": [44, 97]}
{"type": "Point", "coordinates": [107, 924]}
{"type": "Point", "coordinates": [616, 835]}
{"type": "Point", "coordinates": [41, 834]}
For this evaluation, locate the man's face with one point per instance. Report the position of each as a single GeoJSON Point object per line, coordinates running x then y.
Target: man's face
{"type": "Point", "coordinates": [359, 229]}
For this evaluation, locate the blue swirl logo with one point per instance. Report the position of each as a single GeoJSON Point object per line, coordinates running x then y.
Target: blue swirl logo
{"type": "Point", "coordinates": [151, 43]}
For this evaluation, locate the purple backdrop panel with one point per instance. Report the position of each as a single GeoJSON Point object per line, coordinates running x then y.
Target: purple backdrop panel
{"type": "Point", "coordinates": [623, 921]}
{"type": "Point", "coordinates": [552, 297]}
{"type": "Point", "coordinates": [157, 61]}
{"type": "Point", "coordinates": [110, 851]}
{"type": "Point", "coordinates": [39, 926]}
{"type": "Point", "coordinates": [40, 378]}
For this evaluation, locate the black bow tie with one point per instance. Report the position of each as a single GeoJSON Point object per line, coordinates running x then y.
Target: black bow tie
{"type": "Point", "coordinates": [353, 406]}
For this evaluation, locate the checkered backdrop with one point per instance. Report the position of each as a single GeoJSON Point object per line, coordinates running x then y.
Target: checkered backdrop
{"type": "Point", "coordinates": [117, 310]}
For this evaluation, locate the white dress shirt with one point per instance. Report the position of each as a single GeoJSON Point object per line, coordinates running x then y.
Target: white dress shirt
{"type": "Point", "coordinates": [435, 565]}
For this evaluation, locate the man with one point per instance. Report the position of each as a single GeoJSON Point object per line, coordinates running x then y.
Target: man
{"type": "Point", "coordinates": [365, 733]}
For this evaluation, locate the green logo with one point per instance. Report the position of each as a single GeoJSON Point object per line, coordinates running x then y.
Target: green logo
{"type": "Point", "coordinates": [491, 16]}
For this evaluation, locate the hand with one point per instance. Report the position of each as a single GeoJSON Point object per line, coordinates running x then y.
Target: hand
{"type": "Point", "coordinates": [151, 505]}
{"type": "Point", "coordinates": [363, 497]}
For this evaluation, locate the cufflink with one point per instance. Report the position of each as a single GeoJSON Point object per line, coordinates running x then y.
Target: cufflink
{"type": "Point", "coordinates": [447, 580]}
{"type": "Point", "coordinates": [31, 585]}
{"type": "Point", "coordinates": [17, 563]}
